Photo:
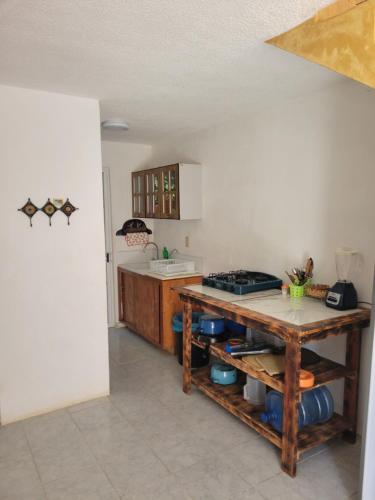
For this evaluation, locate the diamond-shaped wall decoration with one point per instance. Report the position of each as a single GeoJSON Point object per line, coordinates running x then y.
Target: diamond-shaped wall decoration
{"type": "Point", "coordinates": [67, 209]}
{"type": "Point", "coordinates": [49, 209]}
{"type": "Point", "coordinates": [29, 209]}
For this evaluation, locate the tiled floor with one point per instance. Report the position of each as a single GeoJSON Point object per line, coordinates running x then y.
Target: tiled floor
{"type": "Point", "coordinates": [150, 441]}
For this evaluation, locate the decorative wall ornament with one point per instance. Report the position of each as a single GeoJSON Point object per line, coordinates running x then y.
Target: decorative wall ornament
{"type": "Point", "coordinates": [49, 208]}
{"type": "Point", "coordinates": [68, 209]}
{"type": "Point", "coordinates": [29, 209]}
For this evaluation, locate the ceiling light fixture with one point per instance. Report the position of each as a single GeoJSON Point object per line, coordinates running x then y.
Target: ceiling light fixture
{"type": "Point", "coordinates": [115, 124]}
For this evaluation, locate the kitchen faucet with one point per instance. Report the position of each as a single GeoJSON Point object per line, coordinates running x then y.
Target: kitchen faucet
{"type": "Point", "coordinates": [155, 245]}
{"type": "Point", "coordinates": [172, 252]}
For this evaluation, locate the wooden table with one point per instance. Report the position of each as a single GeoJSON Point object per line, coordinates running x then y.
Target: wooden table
{"type": "Point", "coordinates": [296, 322]}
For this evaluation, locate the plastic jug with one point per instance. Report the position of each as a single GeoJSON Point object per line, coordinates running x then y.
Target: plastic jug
{"type": "Point", "coordinates": [316, 407]}
{"type": "Point", "coordinates": [254, 391]}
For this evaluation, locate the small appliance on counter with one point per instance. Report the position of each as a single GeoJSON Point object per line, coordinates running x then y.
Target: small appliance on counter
{"type": "Point", "coordinates": [343, 295]}
{"type": "Point", "coordinates": [242, 282]}
{"type": "Point", "coordinates": [223, 374]}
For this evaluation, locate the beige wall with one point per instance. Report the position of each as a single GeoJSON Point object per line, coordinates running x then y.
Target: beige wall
{"type": "Point", "coordinates": [53, 341]}
{"type": "Point", "coordinates": [290, 182]}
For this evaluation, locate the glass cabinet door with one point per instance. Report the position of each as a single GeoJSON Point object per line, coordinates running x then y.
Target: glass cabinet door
{"type": "Point", "coordinates": [138, 192]}
{"type": "Point", "coordinates": [169, 202]}
{"type": "Point", "coordinates": [152, 193]}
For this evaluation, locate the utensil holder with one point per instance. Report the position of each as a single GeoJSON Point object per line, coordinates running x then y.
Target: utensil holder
{"type": "Point", "coordinates": [297, 290]}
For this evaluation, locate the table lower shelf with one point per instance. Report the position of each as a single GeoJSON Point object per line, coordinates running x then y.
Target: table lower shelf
{"type": "Point", "coordinates": [324, 371]}
{"type": "Point", "coordinates": [231, 398]}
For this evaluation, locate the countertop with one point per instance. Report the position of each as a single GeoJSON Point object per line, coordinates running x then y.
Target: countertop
{"type": "Point", "coordinates": [296, 311]}
{"type": "Point", "coordinates": [140, 268]}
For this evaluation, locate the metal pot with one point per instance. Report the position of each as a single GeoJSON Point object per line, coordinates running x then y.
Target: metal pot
{"type": "Point", "coordinates": [210, 324]}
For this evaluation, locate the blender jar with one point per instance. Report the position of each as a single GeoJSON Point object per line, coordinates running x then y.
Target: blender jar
{"type": "Point", "coordinates": [346, 262]}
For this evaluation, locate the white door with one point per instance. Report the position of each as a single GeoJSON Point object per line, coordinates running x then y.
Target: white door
{"type": "Point", "coordinates": [108, 246]}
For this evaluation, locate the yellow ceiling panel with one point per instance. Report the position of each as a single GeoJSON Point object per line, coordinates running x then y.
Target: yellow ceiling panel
{"type": "Point", "coordinates": [340, 37]}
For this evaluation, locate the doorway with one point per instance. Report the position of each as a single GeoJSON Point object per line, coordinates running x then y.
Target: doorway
{"type": "Point", "coordinates": [108, 246]}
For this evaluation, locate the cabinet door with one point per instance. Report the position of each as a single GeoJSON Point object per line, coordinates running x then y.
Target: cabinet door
{"type": "Point", "coordinates": [147, 300]}
{"type": "Point", "coordinates": [129, 308]}
{"type": "Point", "coordinates": [138, 191]}
{"type": "Point", "coordinates": [121, 294]}
{"type": "Point", "coordinates": [170, 192]}
{"type": "Point", "coordinates": [153, 193]}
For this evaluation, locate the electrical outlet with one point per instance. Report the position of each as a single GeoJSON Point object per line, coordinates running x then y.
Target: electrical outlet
{"type": "Point", "coordinates": [187, 241]}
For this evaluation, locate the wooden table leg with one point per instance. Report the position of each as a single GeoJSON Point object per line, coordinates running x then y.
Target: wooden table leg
{"type": "Point", "coordinates": [353, 353]}
{"type": "Point", "coordinates": [187, 348]}
{"type": "Point", "coordinates": [289, 449]}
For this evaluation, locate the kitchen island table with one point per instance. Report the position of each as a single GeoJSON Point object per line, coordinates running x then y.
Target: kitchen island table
{"type": "Point", "coordinates": [296, 322]}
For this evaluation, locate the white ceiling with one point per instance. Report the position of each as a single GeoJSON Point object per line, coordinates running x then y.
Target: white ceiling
{"type": "Point", "coordinates": [166, 66]}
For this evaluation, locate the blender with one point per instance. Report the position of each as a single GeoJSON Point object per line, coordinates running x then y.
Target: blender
{"type": "Point", "coordinates": [343, 295]}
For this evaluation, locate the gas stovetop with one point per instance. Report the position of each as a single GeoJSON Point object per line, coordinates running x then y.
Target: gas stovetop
{"type": "Point", "coordinates": [241, 282]}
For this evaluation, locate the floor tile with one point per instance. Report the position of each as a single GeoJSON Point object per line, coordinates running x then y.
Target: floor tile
{"type": "Point", "coordinates": [165, 488]}
{"type": "Point", "coordinates": [122, 353]}
{"type": "Point", "coordinates": [83, 484]}
{"type": "Point", "coordinates": [255, 461]}
{"type": "Point", "coordinates": [58, 462]}
{"type": "Point", "coordinates": [137, 406]}
{"type": "Point", "coordinates": [19, 480]}
{"type": "Point", "coordinates": [214, 479]}
{"type": "Point", "coordinates": [96, 416]}
{"type": "Point", "coordinates": [13, 443]}
{"type": "Point", "coordinates": [52, 429]}
{"type": "Point", "coordinates": [119, 444]}
{"type": "Point", "coordinates": [134, 472]}
{"type": "Point", "coordinates": [87, 404]}
{"type": "Point", "coordinates": [182, 454]}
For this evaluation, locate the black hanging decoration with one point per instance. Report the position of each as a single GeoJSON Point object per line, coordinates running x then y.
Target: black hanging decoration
{"type": "Point", "coordinates": [29, 209]}
{"type": "Point", "coordinates": [49, 209]}
{"type": "Point", "coordinates": [67, 209]}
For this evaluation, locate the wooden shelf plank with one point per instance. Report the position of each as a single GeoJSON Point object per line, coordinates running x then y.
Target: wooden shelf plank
{"type": "Point", "coordinates": [325, 371]}
{"type": "Point", "coordinates": [313, 435]}
{"type": "Point", "coordinates": [231, 398]}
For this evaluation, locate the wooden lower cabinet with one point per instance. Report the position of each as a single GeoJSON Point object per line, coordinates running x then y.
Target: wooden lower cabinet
{"type": "Point", "coordinates": [147, 305]}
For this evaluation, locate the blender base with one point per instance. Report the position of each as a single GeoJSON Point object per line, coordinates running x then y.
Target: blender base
{"type": "Point", "coordinates": [342, 296]}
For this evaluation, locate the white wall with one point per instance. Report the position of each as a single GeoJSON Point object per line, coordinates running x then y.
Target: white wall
{"type": "Point", "coordinates": [368, 451]}
{"type": "Point", "coordinates": [121, 159]}
{"type": "Point", "coordinates": [53, 346]}
{"type": "Point", "coordinates": [289, 182]}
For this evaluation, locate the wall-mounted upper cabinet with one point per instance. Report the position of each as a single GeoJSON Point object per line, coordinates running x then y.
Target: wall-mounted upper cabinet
{"type": "Point", "coordinates": [168, 192]}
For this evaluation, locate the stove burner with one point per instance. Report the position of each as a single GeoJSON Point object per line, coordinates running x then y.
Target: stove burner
{"type": "Point", "coordinates": [241, 281]}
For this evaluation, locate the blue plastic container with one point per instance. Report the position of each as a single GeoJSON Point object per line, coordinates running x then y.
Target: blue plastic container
{"type": "Point", "coordinates": [211, 324]}
{"type": "Point", "coordinates": [178, 325]}
{"type": "Point", "coordinates": [234, 327]}
{"type": "Point", "coordinates": [223, 374]}
{"type": "Point", "coordinates": [199, 357]}
{"type": "Point", "coordinates": [316, 407]}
